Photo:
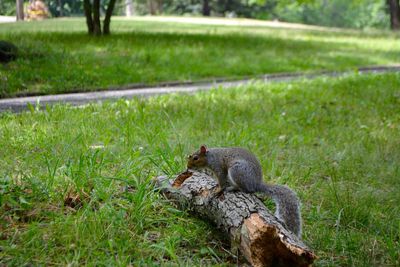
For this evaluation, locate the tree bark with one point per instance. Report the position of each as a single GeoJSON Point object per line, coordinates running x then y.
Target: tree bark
{"type": "Point", "coordinates": [60, 7]}
{"type": "Point", "coordinates": [20, 9]}
{"type": "Point", "coordinates": [152, 6]}
{"type": "Point", "coordinates": [107, 18]}
{"type": "Point", "coordinates": [159, 6]}
{"type": "Point", "coordinates": [87, 6]}
{"type": "Point", "coordinates": [96, 18]}
{"type": "Point", "coordinates": [92, 13]}
{"type": "Point", "coordinates": [206, 8]}
{"type": "Point", "coordinates": [252, 229]}
{"type": "Point", "coordinates": [394, 11]}
{"type": "Point", "coordinates": [228, 6]}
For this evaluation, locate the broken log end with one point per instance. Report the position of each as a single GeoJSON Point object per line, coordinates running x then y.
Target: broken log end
{"type": "Point", "coordinates": [251, 227]}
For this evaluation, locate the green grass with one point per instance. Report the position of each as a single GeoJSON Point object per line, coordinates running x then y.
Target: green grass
{"type": "Point", "coordinates": [57, 55]}
{"type": "Point", "coordinates": [334, 141]}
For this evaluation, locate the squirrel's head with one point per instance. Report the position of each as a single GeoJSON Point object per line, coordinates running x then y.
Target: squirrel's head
{"type": "Point", "coordinates": [198, 159]}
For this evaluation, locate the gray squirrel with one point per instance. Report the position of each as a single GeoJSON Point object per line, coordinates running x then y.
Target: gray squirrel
{"type": "Point", "coordinates": [237, 169]}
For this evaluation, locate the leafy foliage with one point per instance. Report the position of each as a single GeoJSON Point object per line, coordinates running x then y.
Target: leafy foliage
{"type": "Point", "coordinates": [7, 7]}
{"type": "Point", "coordinates": [337, 13]}
{"type": "Point", "coordinates": [67, 8]}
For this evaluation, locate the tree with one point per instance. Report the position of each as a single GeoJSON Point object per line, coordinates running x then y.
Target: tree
{"type": "Point", "coordinates": [92, 14]}
{"type": "Point", "coordinates": [60, 8]}
{"type": "Point", "coordinates": [257, 234]}
{"type": "Point", "coordinates": [155, 6]}
{"type": "Point", "coordinates": [20, 9]}
{"type": "Point", "coordinates": [206, 8]}
{"type": "Point", "coordinates": [394, 11]}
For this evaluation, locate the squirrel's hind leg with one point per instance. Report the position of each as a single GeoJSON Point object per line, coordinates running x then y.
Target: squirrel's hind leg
{"type": "Point", "coordinates": [239, 176]}
{"type": "Point", "coordinates": [231, 189]}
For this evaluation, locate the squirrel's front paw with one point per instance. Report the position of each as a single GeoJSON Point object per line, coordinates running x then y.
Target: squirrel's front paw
{"type": "Point", "coordinates": [218, 191]}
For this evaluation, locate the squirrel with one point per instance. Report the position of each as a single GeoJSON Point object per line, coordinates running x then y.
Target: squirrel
{"type": "Point", "coordinates": [237, 169]}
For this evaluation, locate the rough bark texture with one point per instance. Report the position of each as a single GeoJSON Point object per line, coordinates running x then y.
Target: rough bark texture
{"type": "Point", "coordinates": [60, 8]}
{"type": "Point", "coordinates": [252, 229]}
{"type": "Point", "coordinates": [87, 6]}
{"type": "Point", "coordinates": [96, 17]}
{"type": "Point", "coordinates": [206, 8]}
{"type": "Point", "coordinates": [20, 9]}
{"type": "Point", "coordinates": [107, 18]}
{"type": "Point", "coordinates": [394, 10]}
{"type": "Point", "coordinates": [152, 8]}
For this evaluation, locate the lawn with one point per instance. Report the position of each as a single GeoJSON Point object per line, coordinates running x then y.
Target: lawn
{"type": "Point", "coordinates": [57, 56]}
{"type": "Point", "coordinates": [75, 181]}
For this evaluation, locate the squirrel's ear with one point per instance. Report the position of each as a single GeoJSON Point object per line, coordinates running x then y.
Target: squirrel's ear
{"type": "Point", "coordinates": [203, 149]}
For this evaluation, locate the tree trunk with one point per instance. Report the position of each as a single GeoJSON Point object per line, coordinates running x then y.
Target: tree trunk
{"type": "Point", "coordinates": [87, 6]}
{"type": "Point", "coordinates": [229, 6]}
{"type": "Point", "coordinates": [128, 8]}
{"type": "Point", "coordinates": [92, 13]}
{"type": "Point", "coordinates": [394, 10]}
{"type": "Point", "coordinates": [152, 6]}
{"type": "Point", "coordinates": [60, 8]}
{"type": "Point", "coordinates": [20, 9]}
{"type": "Point", "coordinates": [96, 18]}
{"type": "Point", "coordinates": [206, 8]}
{"type": "Point", "coordinates": [252, 229]}
{"type": "Point", "coordinates": [107, 19]}
{"type": "Point", "coordinates": [159, 6]}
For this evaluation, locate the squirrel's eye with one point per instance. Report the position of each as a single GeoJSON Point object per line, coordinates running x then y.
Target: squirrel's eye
{"type": "Point", "coordinates": [195, 158]}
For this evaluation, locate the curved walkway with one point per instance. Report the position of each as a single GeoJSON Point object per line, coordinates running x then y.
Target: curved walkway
{"type": "Point", "coordinates": [21, 103]}
{"type": "Point", "coordinates": [6, 19]}
{"type": "Point", "coordinates": [233, 22]}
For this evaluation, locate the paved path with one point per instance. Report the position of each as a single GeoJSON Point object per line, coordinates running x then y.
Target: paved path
{"type": "Point", "coordinates": [213, 21]}
{"type": "Point", "coordinates": [20, 104]}
{"type": "Point", "coordinates": [231, 22]}
{"type": "Point", "coordinates": [4, 19]}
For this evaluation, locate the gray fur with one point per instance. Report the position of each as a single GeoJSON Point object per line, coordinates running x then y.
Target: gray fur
{"type": "Point", "coordinates": [238, 169]}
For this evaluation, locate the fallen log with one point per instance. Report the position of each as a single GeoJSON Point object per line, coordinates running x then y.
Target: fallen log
{"type": "Point", "coordinates": [250, 226]}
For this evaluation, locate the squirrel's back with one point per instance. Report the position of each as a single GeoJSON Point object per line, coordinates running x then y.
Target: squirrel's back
{"type": "Point", "coordinates": [230, 155]}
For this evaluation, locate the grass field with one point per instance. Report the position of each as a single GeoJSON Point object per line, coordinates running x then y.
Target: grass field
{"type": "Point", "coordinates": [75, 182]}
{"type": "Point", "coordinates": [57, 55]}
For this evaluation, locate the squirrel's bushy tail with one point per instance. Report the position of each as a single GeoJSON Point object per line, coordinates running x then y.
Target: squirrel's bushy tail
{"type": "Point", "coordinates": [287, 205]}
